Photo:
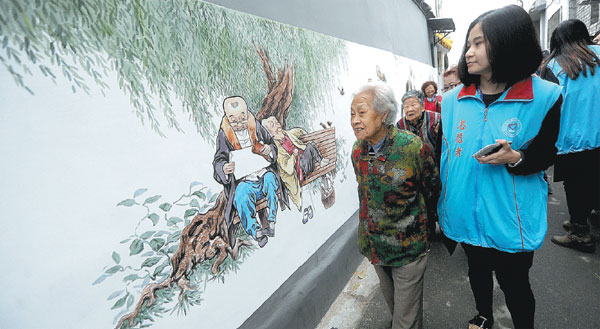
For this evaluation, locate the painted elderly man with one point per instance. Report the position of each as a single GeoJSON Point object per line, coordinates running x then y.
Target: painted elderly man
{"type": "Point", "coordinates": [397, 179]}
{"type": "Point", "coordinates": [296, 159]}
{"type": "Point", "coordinates": [419, 121]}
{"type": "Point", "coordinates": [239, 129]}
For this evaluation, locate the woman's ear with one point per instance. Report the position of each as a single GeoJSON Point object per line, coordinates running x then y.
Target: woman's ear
{"type": "Point", "coordinates": [384, 117]}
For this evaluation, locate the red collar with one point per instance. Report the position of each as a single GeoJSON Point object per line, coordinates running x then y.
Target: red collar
{"type": "Point", "coordinates": [522, 90]}
{"type": "Point", "coordinates": [470, 90]}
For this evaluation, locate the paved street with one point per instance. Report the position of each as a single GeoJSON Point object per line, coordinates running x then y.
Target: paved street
{"type": "Point", "coordinates": [566, 284]}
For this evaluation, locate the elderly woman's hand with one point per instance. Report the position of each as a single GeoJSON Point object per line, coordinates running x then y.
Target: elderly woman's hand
{"type": "Point", "coordinates": [503, 156]}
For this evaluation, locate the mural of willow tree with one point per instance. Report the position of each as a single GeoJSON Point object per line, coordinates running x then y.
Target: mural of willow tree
{"type": "Point", "coordinates": [204, 245]}
{"type": "Point", "coordinates": [198, 53]}
{"type": "Point", "coordinates": [191, 50]}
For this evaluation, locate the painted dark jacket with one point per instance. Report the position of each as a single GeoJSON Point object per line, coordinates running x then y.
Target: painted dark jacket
{"type": "Point", "coordinates": [227, 141]}
{"type": "Point", "coordinates": [395, 185]}
{"type": "Point", "coordinates": [486, 205]}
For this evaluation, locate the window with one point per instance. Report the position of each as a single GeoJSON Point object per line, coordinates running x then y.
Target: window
{"type": "Point", "coordinates": [595, 12]}
{"type": "Point", "coordinates": [554, 21]}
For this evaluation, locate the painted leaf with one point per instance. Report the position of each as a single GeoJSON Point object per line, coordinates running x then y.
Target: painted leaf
{"type": "Point", "coordinates": [213, 198]}
{"type": "Point", "coordinates": [190, 212]}
{"type": "Point", "coordinates": [160, 268]}
{"type": "Point", "coordinates": [160, 233]}
{"type": "Point", "coordinates": [130, 277]}
{"type": "Point", "coordinates": [125, 241]}
{"type": "Point", "coordinates": [200, 195]}
{"type": "Point", "coordinates": [152, 199]}
{"type": "Point", "coordinates": [173, 237]}
{"type": "Point", "coordinates": [136, 247]}
{"type": "Point", "coordinates": [147, 235]}
{"type": "Point", "coordinates": [157, 243]}
{"type": "Point", "coordinates": [139, 192]}
{"type": "Point", "coordinates": [195, 203]}
{"type": "Point", "coordinates": [165, 206]}
{"type": "Point", "coordinates": [195, 184]}
{"type": "Point", "coordinates": [129, 301]}
{"type": "Point", "coordinates": [154, 218]}
{"type": "Point", "coordinates": [151, 261]}
{"type": "Point", "coordinates": [172, 249]}
{"type": "Point", "coordinates": [100, 279]}
{"type": "Point", "coordinates": [126, 203]}
{"type": "Point", "coordinates": [116, 257]}
{"type": "Point", "coordinates": [114, 269]}
{"type": "Point", "coordinates": [120, 302]}
{"type": "Point", "coordinates": [148, 254]}
{"type": "Point", "coordinates": [115, 294]}
{"type": "Point", "coordinates": [174, 220]}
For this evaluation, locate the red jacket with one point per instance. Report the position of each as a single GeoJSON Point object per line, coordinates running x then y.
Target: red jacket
{"type": "Point", "coordinates": [435, 106]}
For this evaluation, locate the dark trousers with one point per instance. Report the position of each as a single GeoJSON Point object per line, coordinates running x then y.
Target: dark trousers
{"type": "Point", "coordinates": [512, 273]}
{"type": "Point", "coordinates": [581, 175]}
{"type": "Point", "coordinates": [310, 155]}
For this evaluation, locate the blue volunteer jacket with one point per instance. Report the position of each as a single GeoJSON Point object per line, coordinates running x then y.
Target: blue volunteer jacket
{"type": "Point", "coordinates": [485, 205]}
{"type": "Point", "coordinates": [580, 115]}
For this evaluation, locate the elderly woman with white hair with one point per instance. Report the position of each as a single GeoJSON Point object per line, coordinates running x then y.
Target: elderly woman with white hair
{"type": "Point", "coordinates": [397, 179]}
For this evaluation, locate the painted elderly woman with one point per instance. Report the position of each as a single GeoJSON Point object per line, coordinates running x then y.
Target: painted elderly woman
{"type": "Point", "coordinates": [397, 179]}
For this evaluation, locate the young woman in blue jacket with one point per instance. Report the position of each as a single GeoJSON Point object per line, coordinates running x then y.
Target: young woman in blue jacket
{"type": "Point", "coordinates": [574, 61]}
{"type": "Point", "coordinates": [495, 205]}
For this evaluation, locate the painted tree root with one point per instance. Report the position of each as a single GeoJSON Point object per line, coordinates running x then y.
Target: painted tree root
{"type": "Point", "coordinates": [206, 236]}
{"type": "Point", "coordinates": [203, 239]}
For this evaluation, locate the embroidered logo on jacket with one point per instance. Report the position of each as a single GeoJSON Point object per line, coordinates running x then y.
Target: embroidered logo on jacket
{"type": "Point", "coordinates": [512, 127]}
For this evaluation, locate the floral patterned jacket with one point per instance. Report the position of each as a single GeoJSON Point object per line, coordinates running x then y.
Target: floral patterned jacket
{"type": "Point", "coordinates": [398, 189]}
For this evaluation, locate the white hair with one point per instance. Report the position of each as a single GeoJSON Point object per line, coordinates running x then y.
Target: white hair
{"type": "Point", "coordinates": [384, 100]}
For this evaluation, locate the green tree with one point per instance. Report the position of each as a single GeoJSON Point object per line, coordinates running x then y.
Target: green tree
{"type": "Point", "coordinates": [191, 50]}
{"type": "Point", "coordinates": [198, 53]}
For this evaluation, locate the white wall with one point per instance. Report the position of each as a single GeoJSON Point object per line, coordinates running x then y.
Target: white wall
{"type": "Point", "coordinates": [551, 8]}
{"type": "Point", "coordinates": [69, 158]}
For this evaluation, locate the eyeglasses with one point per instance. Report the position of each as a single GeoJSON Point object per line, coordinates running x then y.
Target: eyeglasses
{"type": "Point", "coordinates": [450, 86]}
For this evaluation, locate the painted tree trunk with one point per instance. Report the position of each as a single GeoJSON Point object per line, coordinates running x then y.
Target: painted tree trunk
{"type": "Point", "coordinates": [206, 237]}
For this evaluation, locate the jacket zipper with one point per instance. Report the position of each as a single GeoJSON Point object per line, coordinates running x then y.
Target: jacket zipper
{"type": "Point", "coordinates": [477, 173]}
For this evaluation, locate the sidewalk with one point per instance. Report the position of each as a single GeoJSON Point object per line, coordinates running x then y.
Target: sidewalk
{"type": "Point", "coordinates": [448, 301]}
{"type": "Point", "coordinates": [348, 310]}
{"type": "Point", "coordinates": [565, 282]}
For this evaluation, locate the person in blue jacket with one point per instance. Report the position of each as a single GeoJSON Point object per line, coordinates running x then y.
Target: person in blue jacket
{"type": "Point", "coordinates": [575, 62]}
{"type": "Point", "coordinates": [495, 205]}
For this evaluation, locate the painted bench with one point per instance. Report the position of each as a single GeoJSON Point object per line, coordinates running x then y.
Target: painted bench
{"type": "Point", "coordinates": [325, 140]}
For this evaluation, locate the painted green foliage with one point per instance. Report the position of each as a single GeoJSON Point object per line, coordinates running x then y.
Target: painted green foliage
{"type": "Point", "coordinates": [160, 51]}
{"type": "Point", "coordinates": [190, 50]}
{"type": "Point", "coordinates": [149, 253]}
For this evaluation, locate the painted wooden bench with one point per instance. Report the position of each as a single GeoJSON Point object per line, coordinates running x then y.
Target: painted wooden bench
{"type": "Point", "coordinates": [325, 140]}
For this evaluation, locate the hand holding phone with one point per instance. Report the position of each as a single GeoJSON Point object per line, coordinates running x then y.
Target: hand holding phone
{"type": "Point", "coordinates": [497, 154]}
{"type": "Point", "coordinates": [487, 150]}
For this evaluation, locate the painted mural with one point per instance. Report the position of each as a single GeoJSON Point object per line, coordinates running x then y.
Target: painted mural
{"type": "Point", "coordinates": [184, 158]}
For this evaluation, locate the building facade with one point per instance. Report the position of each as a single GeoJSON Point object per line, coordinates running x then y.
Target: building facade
{"type": "Point", "coordinates": [546, 15]}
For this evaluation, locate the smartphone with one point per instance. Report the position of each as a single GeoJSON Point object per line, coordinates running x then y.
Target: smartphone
{"type": "Point", "coordinates": [487, 150]}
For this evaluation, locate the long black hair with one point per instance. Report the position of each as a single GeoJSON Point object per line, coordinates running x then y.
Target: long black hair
{"type": "Point", "coordinates": [513, 50]}
{"type": "Point", "coordinates": [569, 46]}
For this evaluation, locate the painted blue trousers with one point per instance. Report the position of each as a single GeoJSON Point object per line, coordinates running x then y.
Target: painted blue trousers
{"type": "Point", "coordinates": [247, 193]}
